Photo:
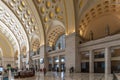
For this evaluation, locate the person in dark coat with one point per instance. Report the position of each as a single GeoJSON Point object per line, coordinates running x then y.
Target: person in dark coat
{"type": "Point", "coordinates": [44, 71]}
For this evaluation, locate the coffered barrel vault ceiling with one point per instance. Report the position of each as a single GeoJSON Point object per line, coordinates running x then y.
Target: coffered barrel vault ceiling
{"type": "Point", "coordinates": [96, 15]}
{"type": "Point", "coordinates": [52, 12]}
{"type": "Point", "coordinates": [11, 24]}
{"type": "Point", "coordinates": [21, 20]}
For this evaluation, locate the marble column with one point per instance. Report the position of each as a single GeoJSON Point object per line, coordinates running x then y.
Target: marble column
{"type": "Point", "coordinates": [39, 64]}
{"type": "Point", "coordinates": [43, 56]}
{"type": "Point", "coordinates": [91, 61]}
{"type": "Point", "coordinates": [52, 63]}
{"type": "Point", "coordinates": [59, 58]}
{"type": "Point", "coordinates": [9, 75]}
{"type": "Point", "coordinates": [107, 61]}
{"type": "Point", "coordinates": [71, 50]}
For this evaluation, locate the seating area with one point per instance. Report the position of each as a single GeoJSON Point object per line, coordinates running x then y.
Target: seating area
{"type": "Point", "coordinates": [24, 74]}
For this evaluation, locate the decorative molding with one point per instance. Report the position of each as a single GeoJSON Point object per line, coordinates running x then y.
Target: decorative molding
{"type": "Point", "coordinates": [71, 35]}
{"type": "Point", "coordinates": [56, 51]}
{"type": "Point", "coordinates": [109, 41]}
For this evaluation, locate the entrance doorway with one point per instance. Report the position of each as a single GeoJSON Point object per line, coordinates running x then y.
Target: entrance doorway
{"type": "Point", "coordinates": [99, 67]}
{"type": "Point", "coordinates": [56, 67]}
{"type": "Point", "coordinates": [115, 66]}
{"type": "Point", "coordinates": [62, 67]}
{"type": "Point", "coordinates": [85, 67]}
{"type": "Point", "coordinates": [50, 67]}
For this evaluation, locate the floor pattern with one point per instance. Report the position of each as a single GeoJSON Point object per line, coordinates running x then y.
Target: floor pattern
{"type": "Point", "coordinates": [74, 76]}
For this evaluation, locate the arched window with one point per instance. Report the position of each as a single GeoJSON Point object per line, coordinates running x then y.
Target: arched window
{"type": "Point", "coordinates": [60, 43]}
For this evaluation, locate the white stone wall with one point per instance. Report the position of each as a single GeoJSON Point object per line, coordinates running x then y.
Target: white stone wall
{"type": "Point", "coordinates": [7, 60]}
{"type": "Point", "coordinates": [70, 51]}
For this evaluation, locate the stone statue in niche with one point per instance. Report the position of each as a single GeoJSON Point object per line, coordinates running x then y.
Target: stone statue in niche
{"type": "Point", "coordinates": [91, 35]}
{"type": "Point", "coordinates": [107, 30]}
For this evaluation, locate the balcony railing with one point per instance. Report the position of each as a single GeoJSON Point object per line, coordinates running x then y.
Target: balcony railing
{"type": "Point", "coordinates": [57, 51]}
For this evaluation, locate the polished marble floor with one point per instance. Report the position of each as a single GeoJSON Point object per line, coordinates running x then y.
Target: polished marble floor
{"type": "Point", "coordinates": [67, 76]}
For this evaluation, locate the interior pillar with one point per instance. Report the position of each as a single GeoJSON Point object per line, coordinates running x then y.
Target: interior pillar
{"type": "Point", "coordinates": [91, 61]}
{"type": "Point", "coordinates": [107, 61]}
{"type": "Point", "coordinates": [72, 52]}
